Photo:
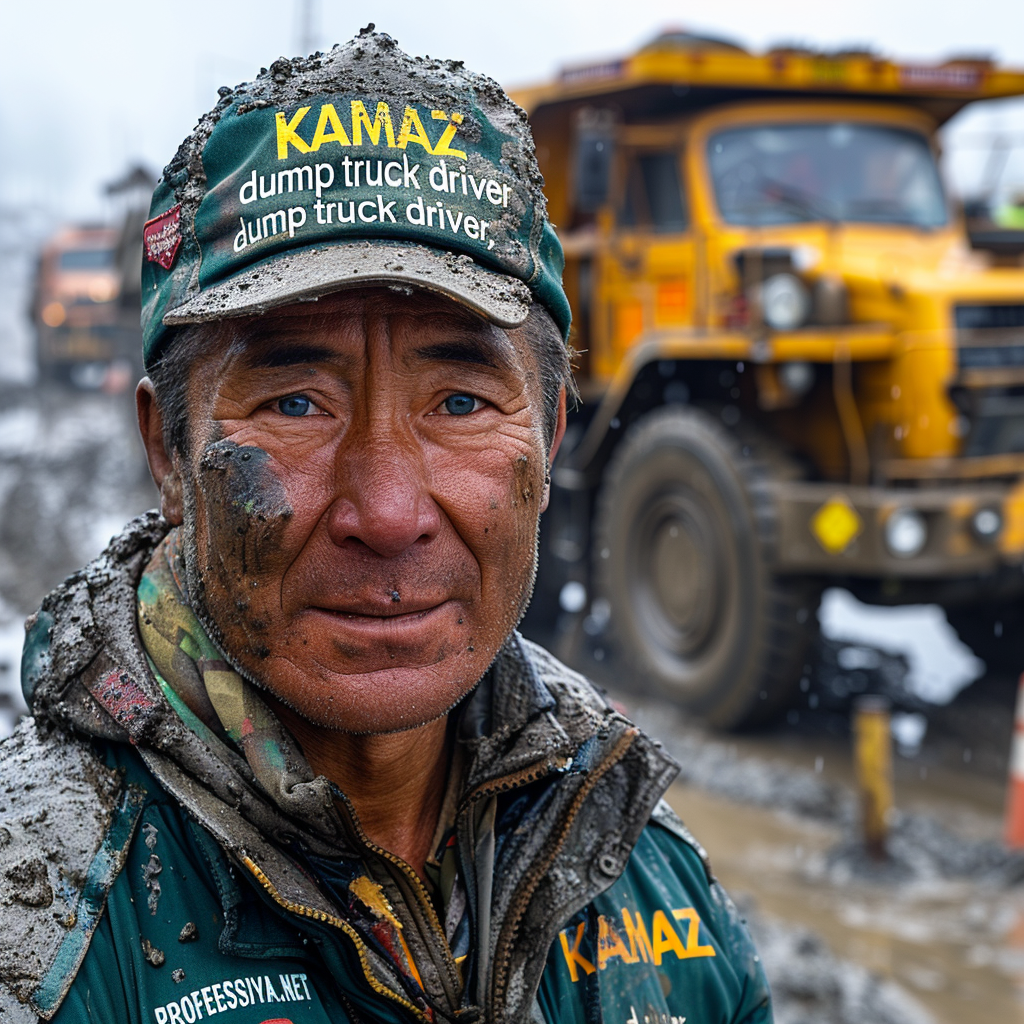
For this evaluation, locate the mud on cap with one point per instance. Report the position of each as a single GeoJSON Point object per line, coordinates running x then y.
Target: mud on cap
{"type": "Point", "coordinates": [358, 167]}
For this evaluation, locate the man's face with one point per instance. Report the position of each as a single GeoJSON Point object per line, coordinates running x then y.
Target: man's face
{"type": "Point", "coordinates": [363, 487]}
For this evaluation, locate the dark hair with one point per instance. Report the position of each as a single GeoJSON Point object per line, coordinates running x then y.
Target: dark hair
{"type": "Point", "coordinates": [554, 361]}
{"type": "Point", "coordinates": [170, 374]}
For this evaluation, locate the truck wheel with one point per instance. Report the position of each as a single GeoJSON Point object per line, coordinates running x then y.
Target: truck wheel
{"type": "Point", "coordinates": [681, 532]}
{"type": "Point", "coordinates": [993, 632]}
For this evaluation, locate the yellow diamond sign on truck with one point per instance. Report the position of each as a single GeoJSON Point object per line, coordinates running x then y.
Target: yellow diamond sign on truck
{"type": "Point", "coordinates": [775, 302]}
{"type": "Point", "coordinates": [836, 525]}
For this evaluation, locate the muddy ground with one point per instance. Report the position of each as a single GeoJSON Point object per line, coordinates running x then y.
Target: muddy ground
{"type": "Point", "coordinates": [936, 934]}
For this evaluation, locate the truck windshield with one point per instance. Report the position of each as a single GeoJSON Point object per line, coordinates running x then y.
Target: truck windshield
{"type": "Point", "coordinates": [789, 173]}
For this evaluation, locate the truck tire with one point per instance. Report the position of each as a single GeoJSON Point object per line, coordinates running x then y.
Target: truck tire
{"type": "Point", "coordinates": [682, 532]}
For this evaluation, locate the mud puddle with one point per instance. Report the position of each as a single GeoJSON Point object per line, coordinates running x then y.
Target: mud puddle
{"type": "Point", "coordinates": [954, 946]}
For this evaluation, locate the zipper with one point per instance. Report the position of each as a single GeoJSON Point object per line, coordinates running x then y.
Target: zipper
{"type": "Point", "coordinates": [420, 894]}
{"type": "Point", "coordinates": [503, 948]}
{"type": "Point", "coordinates": [521, 778]}
{"type": "Point", "coordinates": [422, 897]}
{"type": "Point", "coordinates": [524, 777]}
{"type": "Point", "coordinates": [422, 900]}
{"type": "Point", "coordinates": [318, 915]}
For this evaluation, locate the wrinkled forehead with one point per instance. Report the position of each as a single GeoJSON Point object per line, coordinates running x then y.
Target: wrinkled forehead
{"type": "Point", "coordinates": [427, 324]}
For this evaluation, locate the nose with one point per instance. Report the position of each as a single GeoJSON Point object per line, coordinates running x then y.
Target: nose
{"type": "Point", "coordinates": [383, 500]}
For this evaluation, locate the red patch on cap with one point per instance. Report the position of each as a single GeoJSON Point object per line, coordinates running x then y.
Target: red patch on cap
{"type": "Point", "coordinates": [161, 237]}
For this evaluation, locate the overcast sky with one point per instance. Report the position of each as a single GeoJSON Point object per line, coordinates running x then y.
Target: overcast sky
{"type": "Point", "coordinates": [88, 85]}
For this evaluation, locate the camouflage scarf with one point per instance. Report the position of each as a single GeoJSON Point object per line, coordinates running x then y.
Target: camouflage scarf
{"type": "Point", "coordinates": [205, 691]}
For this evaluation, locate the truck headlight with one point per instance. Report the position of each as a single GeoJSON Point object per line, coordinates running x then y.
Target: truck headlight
{"type": "Point", "coordinates": [986, 524]}
{"type": "Point", "coordinates": [906, 532]}
{"type": "Point", "coordinates": [785, 302]}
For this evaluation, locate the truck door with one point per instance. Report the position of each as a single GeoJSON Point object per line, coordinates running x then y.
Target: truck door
{"type": "Point", "coordinates": [649, 271]}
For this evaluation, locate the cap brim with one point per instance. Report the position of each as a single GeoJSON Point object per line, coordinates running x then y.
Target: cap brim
{"type": "Point", "coordinates": [307, 274]}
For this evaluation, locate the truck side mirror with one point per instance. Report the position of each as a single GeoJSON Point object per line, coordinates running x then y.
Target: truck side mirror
{"type": "Point", "coordinates": [592, 164]}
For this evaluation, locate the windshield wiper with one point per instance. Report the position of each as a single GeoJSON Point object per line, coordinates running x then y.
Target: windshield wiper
{"type": "Point", "coordinates": [802, 202]}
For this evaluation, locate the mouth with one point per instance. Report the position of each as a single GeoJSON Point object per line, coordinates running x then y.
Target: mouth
{"type": "Point", "coordinates": [396, 608]}
{"type": "Point", "coordinates": [375, 617]}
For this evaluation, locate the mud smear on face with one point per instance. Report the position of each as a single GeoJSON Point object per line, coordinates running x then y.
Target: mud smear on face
{"type": "Point", "coordinates": [246, 512]}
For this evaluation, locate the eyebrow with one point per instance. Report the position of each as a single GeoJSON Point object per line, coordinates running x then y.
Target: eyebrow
{"type": "Point", "coordinates": [267, 347]}
{"type": "Point", "coordinates": [463, 351]}
{"type": "Point", "coordinates": [492, 349]}
{"type": "Point", "coordinates": [271, 356]}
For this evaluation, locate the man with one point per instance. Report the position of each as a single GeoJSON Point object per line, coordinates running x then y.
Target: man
{"type": "Point", "coordinates": [290, 761]}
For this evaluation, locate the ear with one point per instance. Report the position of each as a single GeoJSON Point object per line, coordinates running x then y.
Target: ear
{"type": "Point", "coordinates": [163, 465]}
{"type": "Point", "coordinates": [556, 441]}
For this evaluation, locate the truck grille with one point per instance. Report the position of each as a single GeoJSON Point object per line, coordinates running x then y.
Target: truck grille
{"type": "Point", "coordinates": [990, 336]}
{"type": "Point", "coordinates": [991, 357]}
{"type": "Point", "coordinates": [974, 318]}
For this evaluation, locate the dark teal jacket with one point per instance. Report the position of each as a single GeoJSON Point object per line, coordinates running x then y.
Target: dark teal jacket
{"type": "Point", "coordinates": [144, 892]}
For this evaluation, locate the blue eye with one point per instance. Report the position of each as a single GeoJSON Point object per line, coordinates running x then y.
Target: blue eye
{"type": "Point", "coordinates": [459, 405]}
{"type": "Point", "coordinates": [294, 405]}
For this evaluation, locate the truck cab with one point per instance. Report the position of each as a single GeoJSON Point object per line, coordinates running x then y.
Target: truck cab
{"type": "Point", "coordinates": [86, 296]}
{"type": "Point", "coordinates": [795, 369]}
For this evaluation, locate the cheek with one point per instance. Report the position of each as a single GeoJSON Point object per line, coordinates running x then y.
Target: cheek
{"type": "Point", "coordinates": [493, 503]}
{"type": "Point", "coordinates": [246, 529]}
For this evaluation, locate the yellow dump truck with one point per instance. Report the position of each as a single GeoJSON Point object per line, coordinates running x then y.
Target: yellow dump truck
{"type": "Point", "coordinates": [86, 298]}
{"type": "Point", "coordinates": [74, 305]}
{"type": "Point", "coordinates": [796, 371]}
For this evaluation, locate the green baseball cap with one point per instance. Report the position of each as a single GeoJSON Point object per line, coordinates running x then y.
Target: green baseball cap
{"type": "Point", "coordinates": [355, 168]}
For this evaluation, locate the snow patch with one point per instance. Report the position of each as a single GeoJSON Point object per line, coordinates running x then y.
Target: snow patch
{"type": "Point", "coordinates": [941, 665]}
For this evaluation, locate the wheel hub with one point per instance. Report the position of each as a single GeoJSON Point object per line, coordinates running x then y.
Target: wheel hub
{"type": "Point", "coordinates": [678, 559]}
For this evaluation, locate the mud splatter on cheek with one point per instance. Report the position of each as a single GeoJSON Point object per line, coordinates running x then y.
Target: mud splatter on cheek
{"type": "Point", "coordinates": [245, 516]}
{"type": "Point", "coordinates": [526, 488]}
{"type": "Point", "coordinates": [246, 505]}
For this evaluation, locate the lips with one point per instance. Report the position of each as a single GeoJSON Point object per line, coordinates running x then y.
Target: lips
{"type": "Point", "coordinates": [372, 610]}
{"type": "Point", "coordinates": [346, 595]}
{"type": "Point", "coordinates": [385, 622]}
{"type": "Point", "coordinates": [357, 583]}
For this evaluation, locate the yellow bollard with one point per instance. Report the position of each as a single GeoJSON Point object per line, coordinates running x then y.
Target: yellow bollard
{"type": "Point", "coordinates": [872, 739]}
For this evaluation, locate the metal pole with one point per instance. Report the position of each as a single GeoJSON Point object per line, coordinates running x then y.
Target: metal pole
{"type": "Point", "coordinates": [872, 737]}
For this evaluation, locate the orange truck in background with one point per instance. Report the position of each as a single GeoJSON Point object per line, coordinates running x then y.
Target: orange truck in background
{"type": "Point", "coordinates": [85, 335]}
{"type": "Point", "coordinates": [796, 370]}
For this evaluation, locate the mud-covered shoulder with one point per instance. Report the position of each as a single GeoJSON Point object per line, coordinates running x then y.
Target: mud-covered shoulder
{"type": "Point", "coordinates": [58, 806]}
{"type": "Point", "coordinates": [580, 704]}
{"type": "Point", "coordinates": [563, 682]}
{"type": "Point", "coordinates": [91, 613]}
